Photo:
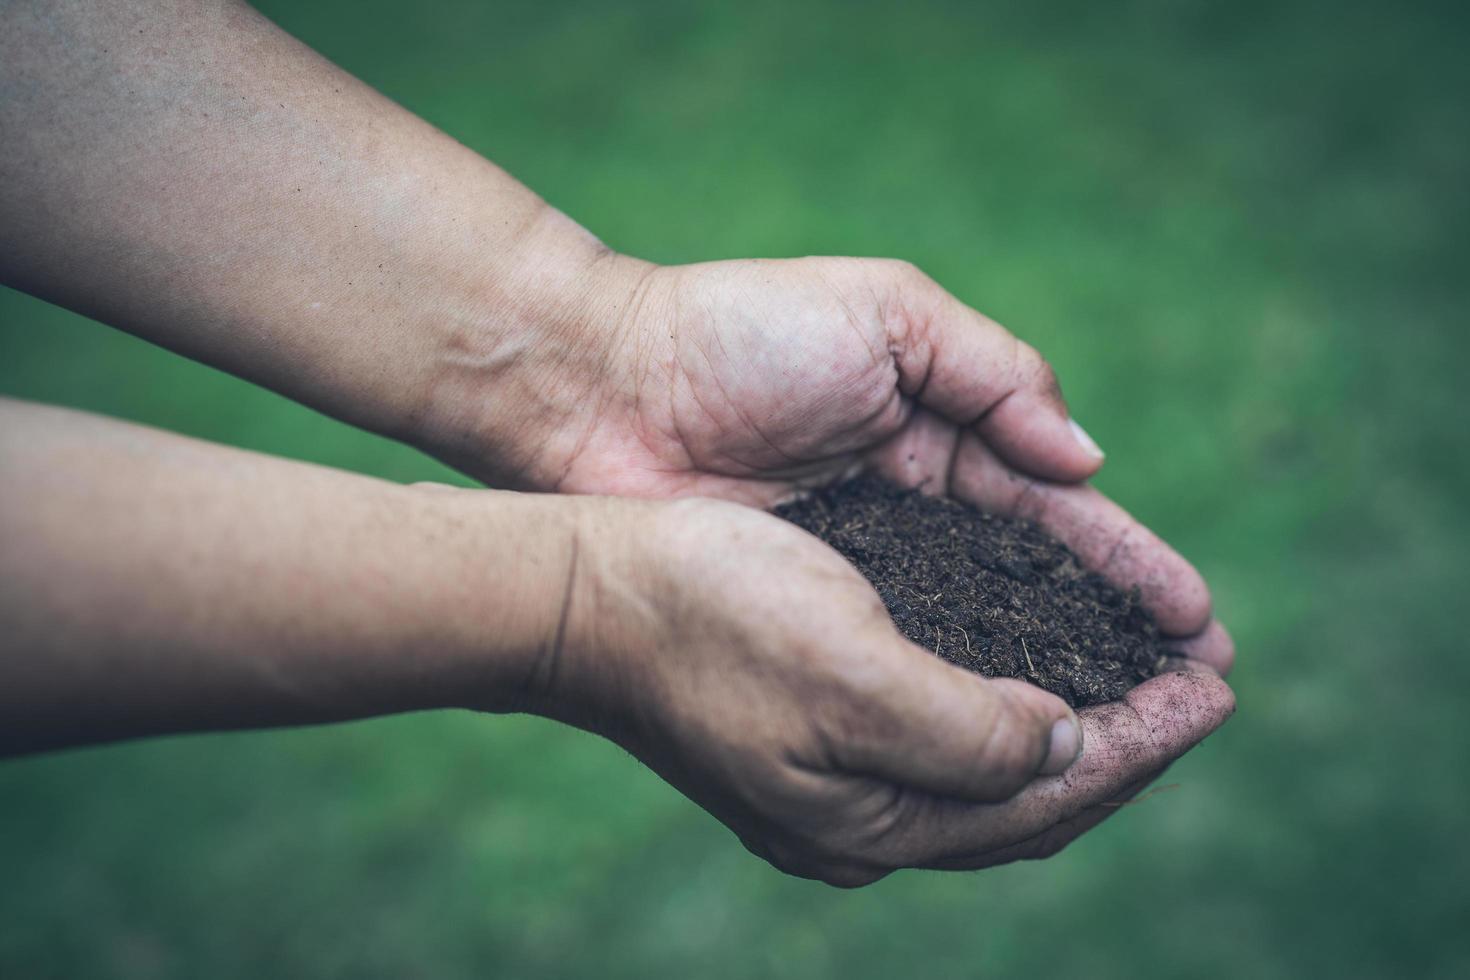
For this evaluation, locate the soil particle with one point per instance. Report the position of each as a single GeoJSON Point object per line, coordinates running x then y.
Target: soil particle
{"type": "Point", "coordinates": [991, 594]}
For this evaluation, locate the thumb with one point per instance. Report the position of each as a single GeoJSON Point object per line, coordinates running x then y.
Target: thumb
{"type": "Point", "coordinates": [952, 733]}
{"type": "Point", "coordinates": [972, 370]}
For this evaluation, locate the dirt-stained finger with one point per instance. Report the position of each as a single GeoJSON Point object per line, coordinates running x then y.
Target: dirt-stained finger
{"type": "Point", "coordinates": [1103, 535]}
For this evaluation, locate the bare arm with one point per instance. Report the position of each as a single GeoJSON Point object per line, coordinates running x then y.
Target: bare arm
{"type": "Point", "coordinates": [150, 583]}
{"type": "Point", "coordinates": [192, 174]}
{"type": "Point", "coordinates": [188, 172]}
{"type": "Point", "coordinates": [153, 583]}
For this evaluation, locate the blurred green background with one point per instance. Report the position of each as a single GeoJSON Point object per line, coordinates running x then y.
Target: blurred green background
{"type": "Point", "coordinates": [1239, 230]}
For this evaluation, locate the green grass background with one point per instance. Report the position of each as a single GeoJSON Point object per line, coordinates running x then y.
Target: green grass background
{"type": "Point", "coordinates": [1239, 230]}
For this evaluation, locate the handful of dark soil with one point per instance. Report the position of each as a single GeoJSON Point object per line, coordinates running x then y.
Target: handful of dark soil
{"type": "Point", "coordinates": [994, 595]}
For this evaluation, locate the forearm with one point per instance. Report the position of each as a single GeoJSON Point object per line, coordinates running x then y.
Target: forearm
{"type": "Point", "coordinates": [188, 172]}
{"type": "Point", "coordinates": [151, 583]}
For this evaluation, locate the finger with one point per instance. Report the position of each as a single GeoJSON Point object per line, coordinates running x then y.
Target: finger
{"type": "Point", "coordinates": [1050, 841]}
{"type": "Point", "coordinates": [1127, 741]}
{"type": "Point", "coordinates": [972, 370]}
{"type": "Point", "coordinates": [1212, 646]}
{"type": "Point", "coordinates": [933, 727]}
{"type": "Point", "coordinates": [1153, 725]}
{"type": "Point", "coordinates": [919, 455]}
{"type": "Point", "coordinates": [1103, 535]}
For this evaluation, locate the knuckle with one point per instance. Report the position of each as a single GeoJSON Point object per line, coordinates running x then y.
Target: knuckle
{"type": "Point", "coordinates": [1028, 358]}
{"type": "Point", "coordinates": [903, 268]}
{"type": "Point", "coordinates": [1047, 381]}
{"type": "Point", "coordinates": [1038, 371]}
{"type": "Point", "coordinates": [908, 275]}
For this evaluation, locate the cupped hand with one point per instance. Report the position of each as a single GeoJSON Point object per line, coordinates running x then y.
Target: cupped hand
{"type": "Point", "coordinates": [748, 380]}
{"type": "Point", "coordinates": [754, 669]}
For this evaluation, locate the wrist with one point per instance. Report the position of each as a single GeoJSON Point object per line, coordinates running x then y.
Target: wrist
{"type": "Point", "coordinates": [638, 579]}
{"type": "Point", "coordinates": [508, 387]}
{"type": "Point", "coordinates": [543, 603]}
{"type": "Point", "coordinates": [492, 587]}
{"type": "Point", "coordinates": [603, 611]}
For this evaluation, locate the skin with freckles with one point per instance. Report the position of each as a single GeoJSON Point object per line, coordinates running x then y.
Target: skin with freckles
{"type": "Point", "coordinates": [214, 186]}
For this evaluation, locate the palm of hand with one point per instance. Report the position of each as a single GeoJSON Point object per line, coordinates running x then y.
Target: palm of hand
{"type": "Point", "coordinates": [834, 747]}
{"type": "Point", "coordinates": [748, 380]}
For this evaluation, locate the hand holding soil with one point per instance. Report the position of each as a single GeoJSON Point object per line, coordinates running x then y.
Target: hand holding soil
{"type": "Point", "coordinates": [284, 222]}
{"type": "Point", "coordinates": [755, 669]}
{"type": "Point", "coordinates": [749, 380]}
{"type": "Point", "coordinates": [977, 588]}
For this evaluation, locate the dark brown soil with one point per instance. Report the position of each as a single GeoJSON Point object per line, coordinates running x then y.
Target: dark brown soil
{"type": "Point", "coordinates": [997, 596]}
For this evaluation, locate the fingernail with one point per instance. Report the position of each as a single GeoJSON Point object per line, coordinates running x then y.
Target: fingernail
{"type": "Point", "coordinates": [1084, 440]}
{"type": "Point", "coordinates": [1066, 747]}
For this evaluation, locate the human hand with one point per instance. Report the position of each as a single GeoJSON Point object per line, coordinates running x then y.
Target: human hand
{"type": "Point", "coordinates": [448, 306]}
{"type": "Point", "coordinates": [755, 670]}
{"type": "Point", "coordinates": [747, 380]}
